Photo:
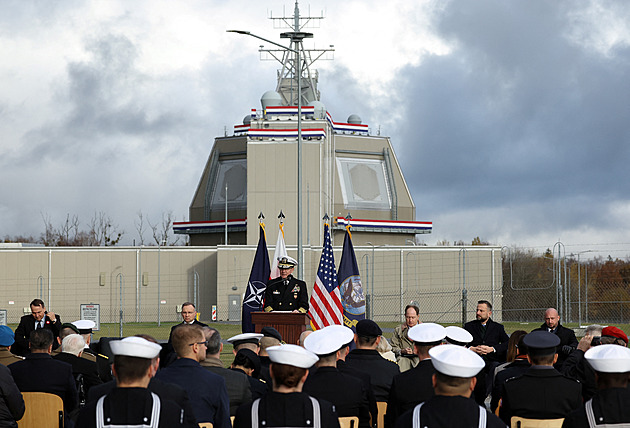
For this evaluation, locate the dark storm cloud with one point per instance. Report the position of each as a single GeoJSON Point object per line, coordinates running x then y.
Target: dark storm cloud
{"type": "Point", "coordinates": [517, 114]}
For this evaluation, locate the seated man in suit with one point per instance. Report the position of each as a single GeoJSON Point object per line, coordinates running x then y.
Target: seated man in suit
{"type": "Point", "coordinates": [490, 342]}
{"type": "Point", "coordinates": [40, 373]}
{"type": "Point", "coordinates": [568, 341]}
{"type": "Point", "coordinates": [39, 318]}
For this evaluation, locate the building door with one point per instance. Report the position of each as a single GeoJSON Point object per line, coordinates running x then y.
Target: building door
{"type": "Point", "coordinates": [234, 311]}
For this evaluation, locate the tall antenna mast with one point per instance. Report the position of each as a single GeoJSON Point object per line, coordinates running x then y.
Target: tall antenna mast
{"type": "Point", "coordinates": [287, 75]}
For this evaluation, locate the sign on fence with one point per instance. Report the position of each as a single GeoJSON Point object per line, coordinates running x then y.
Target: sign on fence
{"type": "Point", "coordinates": [3, 317]}
{"type": "Point", "coordinates": [92, 312]}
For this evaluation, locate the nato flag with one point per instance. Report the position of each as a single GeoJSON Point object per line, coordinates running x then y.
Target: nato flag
{"type": "Point", "coordinates": [255, 293]}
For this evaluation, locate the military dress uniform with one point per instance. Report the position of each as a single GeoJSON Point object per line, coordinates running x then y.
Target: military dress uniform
{"type": "Point", "coordinates": [286, 295]}
{"type": "Point", "coordinates": [409, 389]}
{"type": "Point", "coordinates": [6, 357]}
{"type": "Point", "coordinates": [131, 407]}
{"type": "Point", "coordinates": [295, 409]}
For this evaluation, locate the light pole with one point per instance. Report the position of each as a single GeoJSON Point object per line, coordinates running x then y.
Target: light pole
{"type": "Point", "coordinates": [296, 39]}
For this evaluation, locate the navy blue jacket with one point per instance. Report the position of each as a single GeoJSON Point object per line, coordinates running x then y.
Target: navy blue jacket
{"type": "Point", "coordinates": [38, 372]}
{"type": "Point", "coordinates": [206, 390]}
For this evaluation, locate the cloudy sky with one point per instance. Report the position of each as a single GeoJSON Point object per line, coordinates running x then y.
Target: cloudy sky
{"type": "Point", "coordinates": [511, 119]}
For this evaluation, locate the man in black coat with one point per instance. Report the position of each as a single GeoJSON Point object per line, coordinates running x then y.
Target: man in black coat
{"type": "Point", "coordinates": [366, 358]}
{"type": "Point", "coordinates": [40, 373]}
{"type": "Point", "coordinates": [72, 347]}
{"type": "Point", "coordinates": [541, 392]}
{"type": "Point", "coordinates": [11, 401]}
{"type": "Point", "coordinates": [286, 293]}
{"type": "Point", "coordinates": [325, 382]}
{"type": "Point", "coordinates": [415, 385]}
{"type": "Point", "coordinates": [489, 341]}
{"type": "Point", "coordinates": [39, 318]}
{"type": "Point", "coordinates": [568, 341]}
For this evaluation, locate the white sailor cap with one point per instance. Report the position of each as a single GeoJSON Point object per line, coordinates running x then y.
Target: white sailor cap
{"type": "Point", "coordinates": [328, 339]}
{"type": "Point", "coordinates": [456, 361]}
{"type": "Point", "coordinates": [245, 338]}
{"type": "Point", "coordinates": [427, 333]}
{"type": "Point", "coordinates": [135, 347]}
{"type": "Point", "coordinates": [84, 326]}
{"type": "Point", "coordinates": [609, 358]}
{"type": "Point", "coordinates": [292, 355]}
{"type": "Point", "coordinates": [458, 336]}
{"type": "Point", "coordinates": [286, 262]}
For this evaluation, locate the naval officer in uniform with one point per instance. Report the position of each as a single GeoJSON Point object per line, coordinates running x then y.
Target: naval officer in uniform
{"type": "Point", "coordinates": [454, 381]}
{"type": "Point", "coordinates": [287, 405]}
{"type": "Point", "coordinates": [131, 403]}
{"type": "Point", "coordinates": [286, 293]}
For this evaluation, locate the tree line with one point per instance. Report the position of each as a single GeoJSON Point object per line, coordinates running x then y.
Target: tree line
{"type": "Point", "coordinates": [101, 231]}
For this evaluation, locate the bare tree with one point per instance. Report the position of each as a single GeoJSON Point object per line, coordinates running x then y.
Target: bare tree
{"type": "Point", "coordinates": [102, 231]}
{"type": "Point", "coordinates": [161, 231]}
{"type": "Point", "coordinates": [140, 226]}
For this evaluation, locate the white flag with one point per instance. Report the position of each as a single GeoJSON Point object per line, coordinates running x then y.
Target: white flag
{"type": "Point", "coordinates": [281, 251]}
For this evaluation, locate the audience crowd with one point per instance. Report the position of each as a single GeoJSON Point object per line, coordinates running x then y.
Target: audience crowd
{"type": "Point", "coordinates": [429, 375]}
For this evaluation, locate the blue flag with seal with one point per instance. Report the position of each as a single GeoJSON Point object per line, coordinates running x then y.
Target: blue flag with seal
{"type": "Point", "coordinates": [255, 292]}
{"type": "Point", "coordinates": [350, 287]}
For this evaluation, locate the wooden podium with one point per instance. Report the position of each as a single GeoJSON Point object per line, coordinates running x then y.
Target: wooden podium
{"type": "Point", "coordinates": [288, 324]}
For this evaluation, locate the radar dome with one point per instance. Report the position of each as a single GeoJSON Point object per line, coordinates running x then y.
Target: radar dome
{"type": "Point", "coordinates": [320, 109]}
{"type": "Point", "coordinates": [270, 98]}
{"type": "Point", "coordinates": [354, 119]}
{"type": "Point", "coordinates": [247, 120]}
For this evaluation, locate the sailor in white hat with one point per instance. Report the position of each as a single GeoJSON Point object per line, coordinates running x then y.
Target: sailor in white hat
{"type": "Point", "coordinates": [85, 328]}
{"type": "Point", "coordinates": [456, 335]}
{"type": "Point", "coordinates": [609, 406]}
{"type": "Point", "coordinates": [286, 293]}
{"type": "Point", "coordinates": [249, 341]}
{"type": "Point", "coordinates": [287, 405]}
{"type": "Point", "coordinates": [454, 381]}
{"type": "Point", "coordinates": [131, 403]}
{"type": "Point", "coordinates": [415, 385]}
{"type": "Point", "coordinates": [327, 383]}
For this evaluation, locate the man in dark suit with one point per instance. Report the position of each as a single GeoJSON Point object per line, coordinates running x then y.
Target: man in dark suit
{"type": "Point", "coordinates": [367, 359]}
{"type": "Point", "coordinates": [237, 384]}
{"type": "Point", "coordinates": [414, 386]}
{"type": "Point", "coordinates": [39, 318]}
{"type": "Point", "coordinates": [568, 341]}
{"type": "Point", "coordinates": [206, 390]}
{"type": "Point", "coordinates": [325, 382]}
{"type": "Point", "coordinates": [40, 373]}
{"type": "Point", "coordinates": [72, 347]}
{"type": "Point", "coordinates": [189, 316]}
{"type": "Point", "coordinates": [541, 392]}
{"type": "Point", "coordinates": [490, 342]}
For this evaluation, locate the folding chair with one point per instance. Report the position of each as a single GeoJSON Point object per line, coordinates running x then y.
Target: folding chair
{"type": "Point", "coordinates": [43, 410]}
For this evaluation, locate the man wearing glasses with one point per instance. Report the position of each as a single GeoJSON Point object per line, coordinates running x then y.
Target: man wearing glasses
{"type": "Point", "coordinates": [286, 293]}
{"type": "Point", "coordinates": [206, 390]}
{"type": "Point", "coordinates": [189, 316]}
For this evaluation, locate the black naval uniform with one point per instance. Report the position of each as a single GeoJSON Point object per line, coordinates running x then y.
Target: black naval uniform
{"type": "Point", "coordinates": [294, 409]}
{"type": "Point", "coordinates": [608, 406]}
{"type": "Point", "coordinates": [286, 295]}
{"type": "Point", "coordinates": [131, 407]}
{"type": "Point", "coordinates": [346, 392]}
{"type": "Point", "coordinates": [452, 412]}
{"type": "Point", "coordinates": [381, 371]}
{"type": "Point", "coordinates": [540, 393]}
{"type": "Point", "coordinates": [409, 389]}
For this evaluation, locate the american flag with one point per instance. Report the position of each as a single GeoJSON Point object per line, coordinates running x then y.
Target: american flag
{"type": "Point", "coordinates": [325, 305]}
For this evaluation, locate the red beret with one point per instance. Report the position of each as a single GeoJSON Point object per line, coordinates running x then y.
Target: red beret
{"type": "Point", "coordinates": [613, 331]}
